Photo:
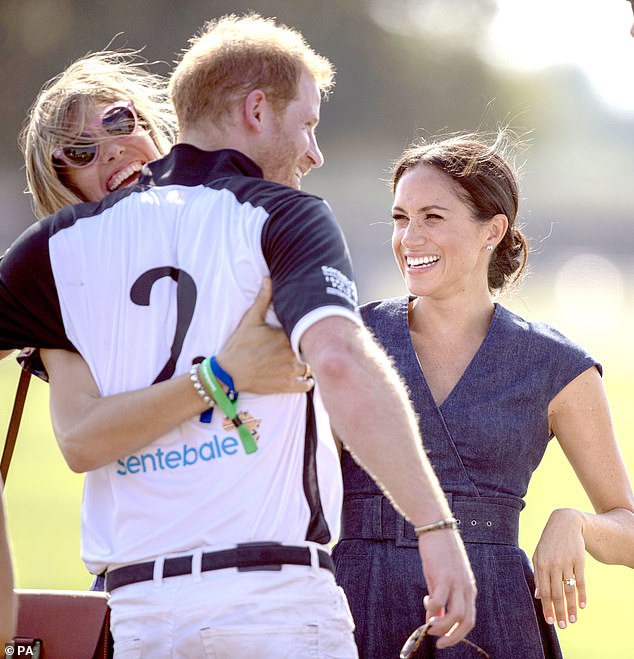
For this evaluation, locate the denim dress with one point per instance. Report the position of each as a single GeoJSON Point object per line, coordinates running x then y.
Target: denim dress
{"type": "Point", "coordinates": [484, 443]}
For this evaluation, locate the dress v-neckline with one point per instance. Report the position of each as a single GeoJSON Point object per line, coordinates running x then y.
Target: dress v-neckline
{"type": "Point", "coordinates": [469, 366]}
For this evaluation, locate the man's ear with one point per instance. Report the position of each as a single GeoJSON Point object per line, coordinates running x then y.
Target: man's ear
{"type": "Point", "coordinates": [498, 226]}
{"type": "Point", "coordinates": [255, 108]}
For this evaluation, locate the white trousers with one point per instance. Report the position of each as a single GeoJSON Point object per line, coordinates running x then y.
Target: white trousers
{"type": "Point", "coordinates": [297, 612]}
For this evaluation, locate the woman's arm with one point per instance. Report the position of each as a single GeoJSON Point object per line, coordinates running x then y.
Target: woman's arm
{"type": "Point", "coordinates": [580, 418]}
{"type": "Point", "coordinates": [92, 430]}
{"type": "Point", "coordinates": [8, 609]}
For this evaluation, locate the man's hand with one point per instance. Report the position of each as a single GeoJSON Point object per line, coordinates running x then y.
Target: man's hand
{"type": "Point", "coordinates": [450, 604]}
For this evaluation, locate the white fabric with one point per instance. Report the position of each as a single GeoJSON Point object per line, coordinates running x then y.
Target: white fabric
{"type": "Point", "coordinates": [197, 480]}
{"type": "Point", "coordinates": [234, 615]}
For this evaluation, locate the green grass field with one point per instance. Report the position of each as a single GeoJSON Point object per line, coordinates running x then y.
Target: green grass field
{"type": "Point", "coordinates": [43, 500]}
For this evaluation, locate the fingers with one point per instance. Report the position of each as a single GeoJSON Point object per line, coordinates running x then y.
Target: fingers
{"type": "Point", "coordinates": [559, 598]}
{"type": "Point", "coordinates": [302, 385]}
{"type": "Point", "coordinates": [452, 591]}
{"type": "Point", "coordinates": [305, 382]}
{"type": "Point", "coordinates": [257, 311]}
{"type": "Point", "coordinates": [559, 563]}
{"type": "Point", "coordinates": [433, 609]}
{"type": "Point", "coordinates": [570, 595]}
{"type": "Point", "coordinates": [581, 587]}
{"type": "Point", "coordinates": [451, 623]}
{"type": "Point", "coordinates": [561, 593]}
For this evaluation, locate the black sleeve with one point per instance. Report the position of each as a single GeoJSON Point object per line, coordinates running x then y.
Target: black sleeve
{"type": "Point", "coordinates": [308, 258]}
{"type": "Point", "coordinates": [30, 314]}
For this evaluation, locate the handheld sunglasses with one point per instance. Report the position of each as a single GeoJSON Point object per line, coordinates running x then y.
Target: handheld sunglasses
{"type": "Point", "coordinates": [117, 120]}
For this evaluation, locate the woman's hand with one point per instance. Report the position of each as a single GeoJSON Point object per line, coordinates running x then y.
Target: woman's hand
{"type": "Point", "coordinates": [259, 357]}
{"type": "Point", "coordinates": [559, 562]}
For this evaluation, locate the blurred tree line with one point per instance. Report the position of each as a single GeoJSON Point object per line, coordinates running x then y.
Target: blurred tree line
{"type": "Point", "coordinates": [397, 78]}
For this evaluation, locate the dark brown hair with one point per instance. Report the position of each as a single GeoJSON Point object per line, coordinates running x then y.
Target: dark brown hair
{"type": "Point", "coordinates": [487, 183]}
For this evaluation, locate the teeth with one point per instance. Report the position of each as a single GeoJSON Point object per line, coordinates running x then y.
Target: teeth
{"type": "Point", "coordinates": [123, 174]}
{"type": "Point", "coordinates": [422, 260]}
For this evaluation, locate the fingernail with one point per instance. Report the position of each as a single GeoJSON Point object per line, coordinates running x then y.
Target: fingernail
{"type": "Point", "coordinates": [562, 624]}
{"type": "Point", "coordinates": [550, 621]}
{"type": "Point", "coordinates": [572, 618]}
{"type": "Point", "coordinates": [536, 594]}
{"type": "Point", "coordinates": [582, 605]}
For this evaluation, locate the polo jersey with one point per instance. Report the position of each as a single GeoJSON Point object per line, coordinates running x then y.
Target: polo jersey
{"type": "Point", "coordinates": [150, 280]}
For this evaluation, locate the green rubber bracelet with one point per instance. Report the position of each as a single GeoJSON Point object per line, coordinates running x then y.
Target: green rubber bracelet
{"type": "Point", "coordinates": [222, 400]}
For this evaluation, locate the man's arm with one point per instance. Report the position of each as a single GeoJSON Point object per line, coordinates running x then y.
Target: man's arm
{"type": "Point", "coordinates": [376, 422]}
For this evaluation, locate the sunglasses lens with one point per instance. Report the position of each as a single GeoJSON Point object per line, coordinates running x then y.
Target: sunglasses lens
{"type": "Point", "coordinates": [78, 155]}
{"type": "Point", "coordinates": [410, 643]}
{"type": "Point", "coordinates": [119, 120]}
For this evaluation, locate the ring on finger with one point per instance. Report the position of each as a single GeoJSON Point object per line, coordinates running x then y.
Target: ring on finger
{"type": "Point", "coordinates": [571, 581]}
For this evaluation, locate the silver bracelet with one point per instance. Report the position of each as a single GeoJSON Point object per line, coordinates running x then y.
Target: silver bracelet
{"type": "Point", "coordinates": [449, 523]}
{"type": "Point", "coordinates": [199, 387]}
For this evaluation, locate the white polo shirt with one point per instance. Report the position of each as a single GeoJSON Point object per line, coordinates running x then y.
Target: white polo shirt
{"type": "Point", "coordinates": [148, 281]}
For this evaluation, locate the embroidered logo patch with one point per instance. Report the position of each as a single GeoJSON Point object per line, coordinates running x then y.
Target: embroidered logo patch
{"type": "Point", "coordinates": [338, 284]}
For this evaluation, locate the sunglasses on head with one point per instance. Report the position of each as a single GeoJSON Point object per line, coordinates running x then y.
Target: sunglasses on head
{"type": "Point", "coordinates": [117, 120]}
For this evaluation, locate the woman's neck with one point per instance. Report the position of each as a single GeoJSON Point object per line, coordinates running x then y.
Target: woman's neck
{"type": "Point", "coordinates": [446, 335]}
{"type": "Point", "coordinates": [451, 316]}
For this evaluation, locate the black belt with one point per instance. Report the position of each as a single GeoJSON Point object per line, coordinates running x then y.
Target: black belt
{"type": "Point", "coordinates": [245, 557]}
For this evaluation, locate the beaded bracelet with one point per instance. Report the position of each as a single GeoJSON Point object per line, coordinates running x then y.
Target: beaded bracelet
{"type": "Point", "coordinates": [449, 523]}
{"type": "Point", "coordinates": [198, 386]}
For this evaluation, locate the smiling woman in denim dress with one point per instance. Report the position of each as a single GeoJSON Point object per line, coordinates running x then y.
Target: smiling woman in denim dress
{"type": "Point", "coordinates": [490, 390]}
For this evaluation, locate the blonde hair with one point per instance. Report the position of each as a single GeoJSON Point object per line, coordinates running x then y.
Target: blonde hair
{"type": "Point", "coordinates": [234, 55]}
{"type": "Point", "coordinates": [59, 113]}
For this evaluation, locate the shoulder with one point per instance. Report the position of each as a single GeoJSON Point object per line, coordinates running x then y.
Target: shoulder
{"type": "Point", "coordinates": [297, 220]}
{"type": "Point", "coordinates": [533, 330]}
{"type": "Point", "coordinates": [276, 199]}
{"type": "Point", "coordinates": [376, 312]}
{"type": "Point", "coordinates": [543, 341]}
{"type": "Point", "coordinates": [29, 249]}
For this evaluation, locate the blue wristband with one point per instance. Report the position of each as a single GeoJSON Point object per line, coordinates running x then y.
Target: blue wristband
{"type": "Point", "coordinates": [225, 378]}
